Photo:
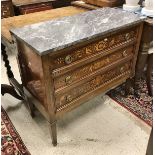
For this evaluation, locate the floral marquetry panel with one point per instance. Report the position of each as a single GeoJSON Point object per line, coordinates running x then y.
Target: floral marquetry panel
{"type": "Point", "coordinates": [105, 44]}
{"type": "Point", "coordinates": [97, 81]}
{"type": "Point", "coordinates": [82, 72]}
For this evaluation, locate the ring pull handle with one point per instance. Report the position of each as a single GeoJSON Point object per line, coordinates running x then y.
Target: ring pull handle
{"type": "Point", "coordinates": [69, 98]}
{"type": "Point", "coordinates": [68, 59]}
{"type": "Point", "coordinates": [68, 79]}
{"type": "Point", "coordinates": [124, 53]}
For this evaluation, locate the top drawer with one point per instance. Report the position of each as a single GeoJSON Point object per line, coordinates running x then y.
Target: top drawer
{"type": "Point", "coordinates": [66, 58]}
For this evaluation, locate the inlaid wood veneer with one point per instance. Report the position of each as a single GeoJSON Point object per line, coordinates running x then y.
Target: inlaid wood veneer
{"type": "Point", "coordinates": [66, 62]}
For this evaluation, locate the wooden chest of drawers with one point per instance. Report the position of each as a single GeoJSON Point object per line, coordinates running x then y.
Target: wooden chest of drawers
{"type": "Point", "coordinates": [81, 72]}
{"type": "Point", "coordinates": [31, 6]}
{"type": "Point", "coordinates": [6, 8]}
{"type": "Point", "coordinates": [58, 80]}
{"type": "Point", "coordinates": [35, 8]}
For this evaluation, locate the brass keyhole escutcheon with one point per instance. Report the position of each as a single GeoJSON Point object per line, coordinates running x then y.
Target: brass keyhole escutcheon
{"type": "Point", "coordinates": [68, 98]}
{"type": "Point", "coordinates": [127, 36]}
{"type": "Point", "coordinates": [124, 53]}
{"type": "Point", "coordinates": [68, 59]}
{"type": "Point", "coordinates": [68, 79]}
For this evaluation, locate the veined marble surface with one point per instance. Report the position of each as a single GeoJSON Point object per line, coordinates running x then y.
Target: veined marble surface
{"type": "Point", "coordinates": [49, 36]}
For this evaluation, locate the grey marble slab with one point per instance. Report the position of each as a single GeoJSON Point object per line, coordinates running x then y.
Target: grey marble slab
{"type": "Point", "coordinates": [49, 36]}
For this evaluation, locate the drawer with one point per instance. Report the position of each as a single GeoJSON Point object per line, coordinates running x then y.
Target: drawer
{"type": "Point", "coordinates": [35, 8]}
{"type": "Point", "coordinates": [87, 70]}
{"type": "Point", "coordinates": [96, 82]}
{"type": "Point", "coordinates": [70, 57]}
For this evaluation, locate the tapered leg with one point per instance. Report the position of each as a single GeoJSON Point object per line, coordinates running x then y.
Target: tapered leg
{"type": "Point", "coordinates": [141, 62]}
{"type": "Point", "coordinates": [128, 86]}
{"type": "Point", "coordinates": [30, 107]}
{"type": "Point", "coordinates": [149, 74]}
{"type": "Point", "coordinates": [150, 144]}
{"type": "Point", "coordinates": [53, 132]}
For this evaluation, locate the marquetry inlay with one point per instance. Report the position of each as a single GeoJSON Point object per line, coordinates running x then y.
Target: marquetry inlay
{"type": "Point", "coordinates": [68, 61]}
{"type": "Point", "coordinates": [105, 44]}
{"type": "Point", "coordinates": [93, 84]}
{"type": "Point", "coordinates": [81, 72]}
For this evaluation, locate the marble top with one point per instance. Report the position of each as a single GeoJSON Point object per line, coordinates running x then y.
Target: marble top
{"type": "Point", "coordinates": [50, 36]}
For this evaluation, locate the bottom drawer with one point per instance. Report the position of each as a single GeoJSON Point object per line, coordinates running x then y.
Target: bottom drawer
{"type": "Point", "coordinates": [93, 84]}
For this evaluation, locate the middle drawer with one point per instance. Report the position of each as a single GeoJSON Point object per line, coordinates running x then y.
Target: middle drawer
{"type": "Point", "coordinates": [80, 73]}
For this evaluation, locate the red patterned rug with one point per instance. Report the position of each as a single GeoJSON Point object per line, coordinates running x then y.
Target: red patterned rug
{"type": "Point", "coordinates": [141, 106]}
{"type": "Point", "coordinates": [11, 143]}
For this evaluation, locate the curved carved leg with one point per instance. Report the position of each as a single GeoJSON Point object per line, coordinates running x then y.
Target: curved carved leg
{"type": "Point", "coordinates": [6, 88]}
{"type": "Point", "coordinates": [10, 90]}
{"type": "Point", "coordinates": [53, 132]}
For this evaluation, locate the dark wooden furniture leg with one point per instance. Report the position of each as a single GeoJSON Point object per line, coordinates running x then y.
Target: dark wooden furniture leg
{"type": "Point", "coordinates": [6, 62]}
{"type": "Point", "coordinates": [147, 37]}
{"type": "Point", "coordinates": [141, 63]}
{"type": "Point", "coordinates": [7, 88]}
{"type": "Point", "coordinates": [10, 89]}
{"type": "Point", "coordinates": [149, 73]}
{"type": "Point", "coordinates": [149, 150]}
{"type": "Point", "coordinates": [128, 86]}
{"type": "Point", "coordinates": [53, 132]}
{"type": "Point", "coordinates": [31, 107]}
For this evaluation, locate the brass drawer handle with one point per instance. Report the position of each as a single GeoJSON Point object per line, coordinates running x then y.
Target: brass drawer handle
{"type": "Point", "coordinates": [68, 59]}
{"type": "Point", "coordinates": [68, 79]}
{"type": "Point", "coordinates": [69, 98]}
{"type": "Point", "coordinates": [127, 36]}
{"type": "Point", "coordinates": [122, 69]}
{"type": "Point", "coordinates": [124, 53]}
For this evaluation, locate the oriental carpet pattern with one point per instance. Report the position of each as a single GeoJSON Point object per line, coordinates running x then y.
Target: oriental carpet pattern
{"type": "Point", "coordinates": [11, 143]}
{"type": "Point", "coordinates": [141, 106]}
